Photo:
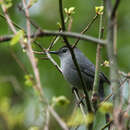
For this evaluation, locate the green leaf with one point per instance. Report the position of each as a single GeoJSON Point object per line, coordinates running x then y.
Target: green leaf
{"type": "Point", "coordinates": [6, 3]}
{"type": "Point", "coordinates": [89, 118]}
{"type": "Point", "coordinates": [76, 118]}
{"type": "Point", "coordinates": [28, 80]}
{"type": "Point", "coordinates": [99, 10]}
{"type": "Point", "coordinates": [69, 11]}
{"type": "Point", "coordinates": [17, 37]}
{"type": "Point", "coordinates": [31, 3]}
{"type": "Point", "coordinates": [106, 107]}
{"type": "Point", "coordinates": [34, 128]}
{"type": "Point", "coordinates": [5, 105]}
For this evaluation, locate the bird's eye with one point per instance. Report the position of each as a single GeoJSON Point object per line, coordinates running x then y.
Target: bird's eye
{"type": "Point", "coordinates": [64, 50]}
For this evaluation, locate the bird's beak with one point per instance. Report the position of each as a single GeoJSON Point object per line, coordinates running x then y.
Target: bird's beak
{"type": "Point", "coordinates": [53, 52]}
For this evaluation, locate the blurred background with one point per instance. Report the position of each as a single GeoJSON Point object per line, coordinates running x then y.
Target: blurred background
{"type": "Point", "coordinates": [19, 104]}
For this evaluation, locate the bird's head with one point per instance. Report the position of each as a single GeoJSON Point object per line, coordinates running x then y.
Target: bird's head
{"type": "Point", "coordinates": [62, 52]}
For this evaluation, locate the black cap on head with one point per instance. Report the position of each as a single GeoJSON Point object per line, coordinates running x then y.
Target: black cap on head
{"type": "Point", "coordinates": [62, 50]}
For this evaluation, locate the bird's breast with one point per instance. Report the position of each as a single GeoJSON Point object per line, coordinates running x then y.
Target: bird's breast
{"type": "Point", "coordinates": [70, 75]}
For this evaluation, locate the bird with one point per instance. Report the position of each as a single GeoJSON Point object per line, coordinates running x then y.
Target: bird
{"type": "Point", "coordinates": [87, 69]}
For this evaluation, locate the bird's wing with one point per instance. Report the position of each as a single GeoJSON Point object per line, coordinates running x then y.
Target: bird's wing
{"type": "Point", "coordinates": [104, 78]}
{"type": "Point", "coordinates": [86, 68]}
{"type": "Point", "coordinates": [89, 70]}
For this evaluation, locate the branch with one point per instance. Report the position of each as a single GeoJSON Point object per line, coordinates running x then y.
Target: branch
{"type": "Point", "coordinates": [113, 60]}
{"type": "Point", "coordinates": [80, 104]}
{"type": "Point", "coordinates": [54, 41]}
{"type": "Point", "coordinates": [46, 125]}
{"type": "Point", "coordinates": [57, 33]}
{"type": "Point", "coordinates": [8, 19]}
{"type": "Point", "coordinates": [21, 65]}
{"type": "Point", "coordinates": [110, 95]}
{"type": "Point", "coordinates": [30, 52]}
{"type": "Point", "coordinates": [107, 125]}
{"type": "Point", "coordinates": [16, 25]}
{"type": "Point", "coordinates": [86, 29]}
{"type": "Point", "coordinates": [115, 9]}
{"type": "Point", "coordinates": [55, 115]}
{"type": "Point", "coordinates": [114, 76]}
{"type": "Point", "coordinates": [96, 85]}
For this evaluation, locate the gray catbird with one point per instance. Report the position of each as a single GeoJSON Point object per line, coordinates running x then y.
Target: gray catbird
{"type": "Point", "coordinates": [87, 69]}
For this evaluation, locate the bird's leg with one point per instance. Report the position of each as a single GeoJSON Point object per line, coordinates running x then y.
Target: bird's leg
{"type": "Point", "coordinates": [79, 100]}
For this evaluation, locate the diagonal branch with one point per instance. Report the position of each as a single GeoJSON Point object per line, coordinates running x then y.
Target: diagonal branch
{"type": "Point", "coordinates": [29, 50]}
{"type": "Point", "coordinates": [86, 28]}
{"type": "Point", "coordinates": [115, 9]}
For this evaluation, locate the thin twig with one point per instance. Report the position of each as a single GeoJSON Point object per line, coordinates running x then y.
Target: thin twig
{"type": "Point", "coordinates": [86, 29]}
{"type": "Point", "coordinates": [80, 104]}
{"type": "Point", "coordinates": [13, 80]}
{"type": "Point", "coordinates": [115, 38]}
{"type": "Point", "coordinates": [30, 52]}
{"type": "Point", "coordinates": [116, 5]}
{"type": "Point", "coordinates": [8, 19]}
{"type": "Point", "coordinates": [107, 125]}
{"type": "Point", "coordinates": [16, 25]}
{"type": "Point", "coordinates": [126, 75]}
{"type": "Point", "coordinates": [46, 126]}
{"type": "Point", "coordinates": [38, 52]}
{"type": "Point", "coordinates": [107, 98]}
{"type": "Point", "coordinates": [56, 38]}
{"type": "Point", "coordinates": [95, 95]}
{"type": "Point", "coordinates": [49, 56]}
{"type": "Point", "coordinates": [62, 124]}
{"type": "Point", "coordinates": [69, 23]}
{"type": "Point", "coordinates": [28, 17]}
{"type": "Point", "coordinates": [54, 63]}
{"type": "Point", "coordinates": [18, 61]}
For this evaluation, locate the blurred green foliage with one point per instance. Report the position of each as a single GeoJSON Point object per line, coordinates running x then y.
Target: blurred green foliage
{"type": "Point", "coordinates": [19, 106]}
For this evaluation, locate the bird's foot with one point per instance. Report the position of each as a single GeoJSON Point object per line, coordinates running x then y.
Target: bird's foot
{"type": "Point", "coordinates": [79, 100]}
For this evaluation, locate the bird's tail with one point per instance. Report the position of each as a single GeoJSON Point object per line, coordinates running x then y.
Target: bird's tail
{"type": "Point", "coordinates": [101, 90]}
